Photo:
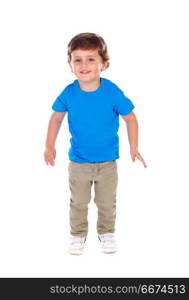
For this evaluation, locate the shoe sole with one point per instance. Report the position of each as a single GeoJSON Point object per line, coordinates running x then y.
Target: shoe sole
{"type": "Point", "coordinates": [109, 252]}
{"type": "Point", "coordinates": [71, 253]}
{"type": "Point", "coordinates": [80, 252]}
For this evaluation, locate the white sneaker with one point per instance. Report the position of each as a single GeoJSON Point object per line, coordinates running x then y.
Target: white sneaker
{"type": "Point", "coordinates": [108, 242]}
{"type": "Point", "coordinates": [76, 244]}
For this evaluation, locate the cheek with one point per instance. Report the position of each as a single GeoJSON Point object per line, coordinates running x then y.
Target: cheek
{"type": "Point", "coordinates": [76, 68]}
{"type": "Point", "coordinates": [97, 68]}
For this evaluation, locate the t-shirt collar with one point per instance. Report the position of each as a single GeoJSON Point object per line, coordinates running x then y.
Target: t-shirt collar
{"type": "Point", "coordinates": [89, 92]}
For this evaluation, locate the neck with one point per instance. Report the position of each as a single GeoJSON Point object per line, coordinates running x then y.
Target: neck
{"type": "Point", "coordinates": [89, 86]}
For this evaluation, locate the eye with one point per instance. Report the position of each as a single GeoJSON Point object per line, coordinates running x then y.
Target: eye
{"type": "Point", "coordinates": [78, 60]}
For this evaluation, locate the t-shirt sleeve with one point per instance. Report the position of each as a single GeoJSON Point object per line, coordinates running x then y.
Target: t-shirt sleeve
{"type": "Point", "coordinates": [122, 104]}
{"type": "Point", "coordinates": [61, 104]}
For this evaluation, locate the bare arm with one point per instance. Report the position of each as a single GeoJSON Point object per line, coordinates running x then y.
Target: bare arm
{"type": "Point", "coordinates": [53, 129]}
{"type": "Point", "coordinates": [132, 131]}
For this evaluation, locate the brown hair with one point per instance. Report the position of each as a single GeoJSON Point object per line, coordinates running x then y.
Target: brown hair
{"type": "Point", "coordinates": [87, 41]}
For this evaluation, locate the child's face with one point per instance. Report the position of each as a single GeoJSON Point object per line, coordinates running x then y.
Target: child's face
{"type": "Point", "coordinates": [86, 64]}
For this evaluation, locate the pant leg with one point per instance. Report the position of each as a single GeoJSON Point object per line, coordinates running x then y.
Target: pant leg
{"type": "Point", "coordinates": [80, 182]}
{"type": "Point", "coordinates": [105, 186]}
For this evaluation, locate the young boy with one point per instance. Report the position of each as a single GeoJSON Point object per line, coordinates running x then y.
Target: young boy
{"type": "Point", "coordinates": [93, 104]}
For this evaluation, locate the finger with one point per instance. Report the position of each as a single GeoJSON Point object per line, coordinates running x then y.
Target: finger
{"type": "Point", "coordinates": [145, 165]}
{"type": "Point", "coordinates": [49, 160]}
{"type": "Point", "coordinates": [143, 162]}
{"type": "Point", "coordinates": [46, 160]}
{"type": "Point", "coordinates": [141, 159]}
{"type": "Point", "coordinates": [52, 162]}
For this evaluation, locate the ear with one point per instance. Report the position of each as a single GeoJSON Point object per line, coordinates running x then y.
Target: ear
{"type": "Point", "coordinates": [104, 66]}
{"type": "Point", "coordinates": [70, 67]}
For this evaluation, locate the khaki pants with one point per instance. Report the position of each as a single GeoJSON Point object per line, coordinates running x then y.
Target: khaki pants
{"type": "Point", "coordinates": [105, 178]}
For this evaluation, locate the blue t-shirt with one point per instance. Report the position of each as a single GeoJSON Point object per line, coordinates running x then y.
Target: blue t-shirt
{"type": "Point", "coordinates": [93, 120]}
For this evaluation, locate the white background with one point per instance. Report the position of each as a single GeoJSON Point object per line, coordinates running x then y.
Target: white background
{"type": "Point", "coordinates": [148, 47]}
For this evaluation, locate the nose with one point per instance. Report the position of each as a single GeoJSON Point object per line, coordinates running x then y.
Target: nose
{"type": "Point", "coordinates": [84, 64]}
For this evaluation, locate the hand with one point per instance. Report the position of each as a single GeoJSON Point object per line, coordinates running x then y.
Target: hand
{"type": "Point", "coordinates": [49, 156]}
{"type": "Point", "coordinates": [134, 153]}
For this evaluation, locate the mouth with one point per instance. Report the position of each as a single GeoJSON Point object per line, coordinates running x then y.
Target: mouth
{"type": "Point", "coordinates": [85, 72]}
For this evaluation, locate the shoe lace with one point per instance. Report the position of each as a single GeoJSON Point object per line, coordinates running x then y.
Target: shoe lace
{"type": "Point", "coordinates": [107, 238]}
{"type": "Point", "coordinates": [77, 240]}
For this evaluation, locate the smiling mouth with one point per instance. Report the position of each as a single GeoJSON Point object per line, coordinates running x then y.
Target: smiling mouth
{"type": "Point", "coordinates": [85, 73]}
